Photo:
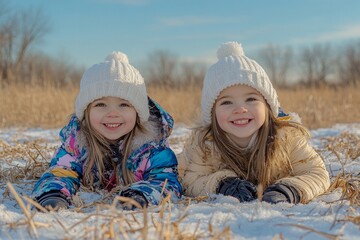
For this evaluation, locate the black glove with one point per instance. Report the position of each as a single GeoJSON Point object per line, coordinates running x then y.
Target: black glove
{"type": "Point", "coordinates": [243, 190]}
{"type": "Point", "coordinates": [55, 199]}
{"type": "Point", "coordinates": [135, 195]}
{"type": "Point", "coordinates": [281, 193]}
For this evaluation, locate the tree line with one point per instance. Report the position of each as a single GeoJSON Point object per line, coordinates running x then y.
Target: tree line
{"type": "Point", "coordinates": [312, 66]}
{"type": "Point", "coordinates": [316, 65]}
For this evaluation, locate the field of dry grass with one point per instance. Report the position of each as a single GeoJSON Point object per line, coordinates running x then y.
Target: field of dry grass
{"type": "Point", "coordinates": [50, 107]}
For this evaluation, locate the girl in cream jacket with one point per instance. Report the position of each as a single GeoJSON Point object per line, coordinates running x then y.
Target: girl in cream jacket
{"type": "Point", "coordinates": [243, 148]}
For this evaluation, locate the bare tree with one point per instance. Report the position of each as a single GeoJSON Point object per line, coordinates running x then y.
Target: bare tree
{"type": "Point", "coordinates": [191, 74]}
{"type": "Point", "coordinates": [349, 65]}
{"type": "Point", "coordinates": [277, 62]}
{"type": "Point", "coordinates": [317, 64]}
{"type": "Point", "coordinates": [18, 33]}
{"type": "Point", "coordinates": [161, 68]}
{"type": "Point", "coordinates": [32, 28]}
{"type": "Point", "coordinates": [42, 70]}
{"type": "Point", "coordinates": [6, 24]}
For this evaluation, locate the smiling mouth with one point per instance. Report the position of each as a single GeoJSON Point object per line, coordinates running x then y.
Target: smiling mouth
{"type": "Point", "coordinates": [112, 125]}
{"type": "Point", "coordinates": [242, 121]}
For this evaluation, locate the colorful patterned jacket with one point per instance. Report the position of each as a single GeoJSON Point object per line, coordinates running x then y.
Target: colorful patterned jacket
{"type": "Point", "coordinates": [151, 161]}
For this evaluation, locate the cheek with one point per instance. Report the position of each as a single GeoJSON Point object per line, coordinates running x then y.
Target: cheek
{"type": "Point", "coordinates": [221, 117]}
{"type": "Point", "coordinates": [131, 116]}
{"type": "Point", "coordinates": [94, 118]}
{"type": "Point", "coordinates": [132, 122]}
{"type": "Point", "coordinates": [261, 114]}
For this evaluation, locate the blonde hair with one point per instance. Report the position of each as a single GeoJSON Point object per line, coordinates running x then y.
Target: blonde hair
{"type": "Point", "coordinates": [261, 163]}
{"type": "Point", "coordinates": [98, 148]}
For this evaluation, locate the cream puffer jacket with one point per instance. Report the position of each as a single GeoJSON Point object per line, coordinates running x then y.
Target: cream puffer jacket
{"type": "Point", "coordinates": [201, 176]}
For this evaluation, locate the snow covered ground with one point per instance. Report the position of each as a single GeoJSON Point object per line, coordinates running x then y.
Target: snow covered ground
{"type": "Point", "coordinates": [216, 217]}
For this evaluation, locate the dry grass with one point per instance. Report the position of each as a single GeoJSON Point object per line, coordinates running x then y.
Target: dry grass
{"type": "Point", "coordinates": [35, 106]}
{"type": "Point", "coordinates": [50, 107]}
{"type": "Point", "coordinates": [346, 149]}
{"type": "Point", "coordinates": [321, 108]}
{"type": "Point", "coordinates": [26, 160]}
{"type": "Point", "coordinates": [183, 104]}
{"type": "Point", "coordinates": [114, 223]}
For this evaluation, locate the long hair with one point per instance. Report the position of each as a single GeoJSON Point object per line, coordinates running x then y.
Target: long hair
{"type": "Point", "coordinates": [262, 162]}
{"type": "Point", "coordinates": [99, 150]}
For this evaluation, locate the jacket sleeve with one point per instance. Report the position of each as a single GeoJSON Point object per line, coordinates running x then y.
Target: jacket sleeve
{"type": "Point", "coordinates": [309, 175]}
{"type": "Point", "coordinates": [200, 174]}
{"type": "Point", "coordinates": [162, 165]}
{"type": "Point", "coordinates": [65, 171]}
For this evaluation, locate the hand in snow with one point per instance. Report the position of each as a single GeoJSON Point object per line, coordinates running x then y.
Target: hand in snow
{"type": "Point", "coordinates": [281, 193]}
{"type": "Point", "coordinates": [53, 200]}
{"type": "Point", "coordinates": [136, 196]}
{"type": "Point", "coordinates": [243, 190]}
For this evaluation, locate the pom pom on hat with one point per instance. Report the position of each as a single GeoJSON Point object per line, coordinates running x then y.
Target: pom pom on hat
{"type": "Point", "coordinates": [230, 49]}
{"type": "Point", "coordinates": [233, 68]}
{"type": "Point", "coordinates": [117, 56]}
{"type": "Point", "coordinates": [114, 77]}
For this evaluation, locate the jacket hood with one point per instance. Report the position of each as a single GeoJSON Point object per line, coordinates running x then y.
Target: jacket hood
{"type": "Point", "coordinates": [157, 129]}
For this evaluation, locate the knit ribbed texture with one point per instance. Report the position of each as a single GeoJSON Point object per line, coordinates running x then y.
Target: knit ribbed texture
{"type": "Point", "coordinates": [114, 77]}
{"type": "Point", "coordinates": [233, 68]}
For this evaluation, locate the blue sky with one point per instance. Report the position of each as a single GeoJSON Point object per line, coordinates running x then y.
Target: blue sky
{"type": "Point", "coordinates": [85, 31]}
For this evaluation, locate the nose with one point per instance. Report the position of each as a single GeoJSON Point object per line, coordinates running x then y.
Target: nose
{"type": "Point", "coordinates": [113, 112]}
{"type": "Point", "coordinates": [240, 109]}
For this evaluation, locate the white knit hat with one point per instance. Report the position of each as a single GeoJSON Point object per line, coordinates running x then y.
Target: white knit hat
{"type": "Point", "coordinates": [114, 77]}
{"type": "Point", "coordinates": [232, 68]}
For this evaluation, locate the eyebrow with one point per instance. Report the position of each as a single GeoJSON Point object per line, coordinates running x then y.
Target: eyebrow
{"type": "Point", "coordinates": [103, 98]}
{"type": "Point", "coordinates": [99, 99]}
{"type": "Point", "coordinates": [246, 94]}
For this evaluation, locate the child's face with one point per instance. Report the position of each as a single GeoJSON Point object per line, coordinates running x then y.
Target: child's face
{"type": "Point", "coordinates": [112, 117]}
{"type": "Point", "coordinates": [240, 111]}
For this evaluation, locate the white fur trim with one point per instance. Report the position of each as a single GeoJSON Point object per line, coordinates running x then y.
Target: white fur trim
{"type": "Point", "coordinates": [152, 133]}
{"type": "Point", "coordinates": [295, 117]}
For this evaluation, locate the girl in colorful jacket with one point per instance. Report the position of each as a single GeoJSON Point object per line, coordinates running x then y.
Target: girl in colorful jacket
{"type": "Point", "coordinates": [117, 137]}
{"type": "Point", "coordinates": [243, 148]}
